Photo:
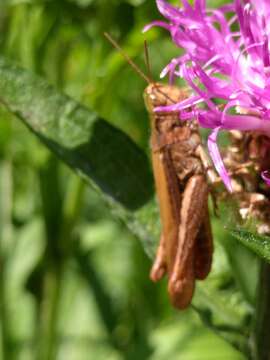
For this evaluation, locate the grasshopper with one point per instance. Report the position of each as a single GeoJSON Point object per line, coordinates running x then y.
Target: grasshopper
{"type": "Point", "coordinates": [180, 168]}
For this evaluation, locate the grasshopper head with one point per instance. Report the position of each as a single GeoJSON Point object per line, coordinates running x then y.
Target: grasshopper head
{"type": "Point", "coordinates": [157, 94]}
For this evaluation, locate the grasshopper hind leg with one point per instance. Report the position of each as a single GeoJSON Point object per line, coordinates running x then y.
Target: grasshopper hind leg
{"type": "Point", "coordinates": [183, 274]}
{"type": "Point", "coordinates": [181, 288]}
{"type": "Point", "coordinates": [159, 267]}
{"type": "Point", "coordinates": [204, 249]}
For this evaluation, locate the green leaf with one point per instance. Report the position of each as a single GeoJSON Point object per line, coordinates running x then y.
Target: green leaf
{"type": "Point", "coordinates": [103, 155]}
{"type": "Point", "coordinates": [257, 243]}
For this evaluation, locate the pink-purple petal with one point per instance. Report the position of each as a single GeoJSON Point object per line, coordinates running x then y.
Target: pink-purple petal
{"type": "Point", "coordinates": [217, 160]}
{"type": "Point", "coordinates": [266, 177]}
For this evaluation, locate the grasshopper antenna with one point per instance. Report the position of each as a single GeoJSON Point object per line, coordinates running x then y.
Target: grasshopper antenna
{"type": "Point", "coordinates": [128, 59]}
{"type": "Point", "coordinates": [148, 66]}
{"type": "Point", "coordinates": [135, 67]}
{"type": "Point", "coordinates": [147, 61]}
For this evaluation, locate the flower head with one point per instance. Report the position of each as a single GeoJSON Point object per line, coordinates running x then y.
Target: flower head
{"type": "Point", "coordinates": [226, 62]}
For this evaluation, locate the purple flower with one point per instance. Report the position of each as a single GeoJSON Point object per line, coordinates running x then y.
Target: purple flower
{"type": "Point", "coordinates": [226, 62]}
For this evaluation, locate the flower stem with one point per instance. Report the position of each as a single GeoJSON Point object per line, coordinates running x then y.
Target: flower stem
{"type": "Point", "coordinates": [262, 320]}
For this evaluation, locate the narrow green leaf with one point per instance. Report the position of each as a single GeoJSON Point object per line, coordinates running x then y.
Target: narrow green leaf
{"type": "Point", "coordinates": [257, 243]}
{"type": "Point", "coordinates": [103, 155]}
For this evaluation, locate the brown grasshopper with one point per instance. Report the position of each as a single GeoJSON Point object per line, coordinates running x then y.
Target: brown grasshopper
{"type": "Point", "coordinates": [180, 169]}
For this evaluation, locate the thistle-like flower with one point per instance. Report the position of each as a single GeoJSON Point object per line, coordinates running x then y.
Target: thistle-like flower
{"type": "Point", "coordinates": [226, 62]}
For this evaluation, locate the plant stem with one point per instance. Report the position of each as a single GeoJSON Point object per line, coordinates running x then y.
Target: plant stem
{"type": "Point", "coordinates": [262, 322]}
{"type": "Point", "coordinates": [49, 309]}
{"type": "Point", "coordinates": [5, 243]}
{"type": "Point", "coordinates": [71, 210]}
{"type": "Point", "coordinates": [60, 218]}
{"type": "Point", "coordinates": [52, 206]}
{"type": "Point", "coordinates": [4, 336]}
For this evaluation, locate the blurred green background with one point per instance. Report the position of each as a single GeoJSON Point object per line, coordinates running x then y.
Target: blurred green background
{"type": "Point", "coordinates": [74, 281]}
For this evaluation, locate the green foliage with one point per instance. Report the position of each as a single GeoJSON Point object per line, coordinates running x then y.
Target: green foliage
{"type": "Point", "coordinates": [257, 243]}
{"type": "Point", "coordinates": [74, 279]}
{"type": "Point", "coordinates": [91, 146]}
